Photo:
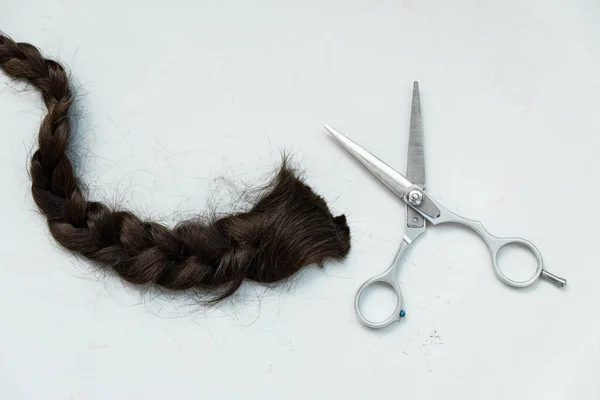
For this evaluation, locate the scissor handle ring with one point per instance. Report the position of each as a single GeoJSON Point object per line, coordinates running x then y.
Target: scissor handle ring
{"type": "Point", "coordinates": [387, 278]}
{"type": "Point", "coordinates": [496, 244]}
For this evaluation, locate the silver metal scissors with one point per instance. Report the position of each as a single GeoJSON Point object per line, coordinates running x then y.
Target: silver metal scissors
{"type": "Point", "coordinates": [421, 207]}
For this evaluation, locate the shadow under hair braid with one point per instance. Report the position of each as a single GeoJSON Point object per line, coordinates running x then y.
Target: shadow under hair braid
{"type": "Point", "coordinates": [288, 227]}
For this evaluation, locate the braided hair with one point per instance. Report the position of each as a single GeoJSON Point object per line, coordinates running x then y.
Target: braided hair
{"type": "Point", "coordinates": [287, 228]}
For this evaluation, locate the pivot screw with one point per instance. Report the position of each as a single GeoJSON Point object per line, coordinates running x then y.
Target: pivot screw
{"type": "Point", "coordinates": [415, 197]}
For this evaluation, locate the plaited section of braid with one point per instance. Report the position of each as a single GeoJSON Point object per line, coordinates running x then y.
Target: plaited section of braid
{"type": "Point", "coordinates": [288, 227]}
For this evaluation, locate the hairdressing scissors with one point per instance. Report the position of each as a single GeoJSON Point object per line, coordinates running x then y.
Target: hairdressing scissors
{"type": "Point", "coordinates": [420, 208]}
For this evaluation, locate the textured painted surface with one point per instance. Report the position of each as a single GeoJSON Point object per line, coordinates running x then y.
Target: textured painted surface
{"type": "Point", "coordinates": [509, 92]}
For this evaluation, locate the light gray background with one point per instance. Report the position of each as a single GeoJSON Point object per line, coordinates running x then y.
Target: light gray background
{"type": "Point", "coordinates": [180, 100]}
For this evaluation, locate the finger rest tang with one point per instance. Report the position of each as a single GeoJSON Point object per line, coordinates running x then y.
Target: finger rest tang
{"type": "Point", "coordinates": [558, 281]}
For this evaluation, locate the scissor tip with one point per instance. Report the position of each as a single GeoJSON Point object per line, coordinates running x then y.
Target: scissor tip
{"type": "Point", "coordinates": [330, 130]}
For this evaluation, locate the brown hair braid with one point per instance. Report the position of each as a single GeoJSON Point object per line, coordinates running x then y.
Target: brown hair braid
{"type": "Point", "coordinates": [288, 227]}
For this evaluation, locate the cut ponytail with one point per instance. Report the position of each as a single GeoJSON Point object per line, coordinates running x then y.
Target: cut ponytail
{"type": "Point", "coordinates": [287, 228]}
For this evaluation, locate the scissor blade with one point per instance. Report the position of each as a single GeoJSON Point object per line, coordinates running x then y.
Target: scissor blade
{"type": "Point", "coordinates": [415, 169]}
{"type": "Point", "coordinates": [391, 178]}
